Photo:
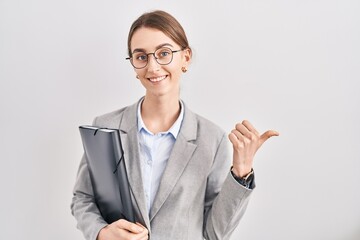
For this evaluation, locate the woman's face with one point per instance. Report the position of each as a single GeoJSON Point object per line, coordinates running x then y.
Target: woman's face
{"type": "Point", "coordinates": [159, 80]}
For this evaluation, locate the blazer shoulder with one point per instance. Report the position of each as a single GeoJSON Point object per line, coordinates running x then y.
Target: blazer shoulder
{"type": "Point", "coordinates": [106, 117]}
{"type": "Point", "coordinates": [112, 119]}
{"type": "Point", "coordinates": [204, 132]}
{"type": "Point", "coordinates": [208, 127]}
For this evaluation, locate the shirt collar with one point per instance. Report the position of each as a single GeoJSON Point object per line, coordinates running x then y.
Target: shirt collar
{"type": "Point", "coordinates": [174, 129]}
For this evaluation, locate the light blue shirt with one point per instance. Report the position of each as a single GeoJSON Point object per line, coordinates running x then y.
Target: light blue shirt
{"type": "Point", "coordinates": [155, 151]}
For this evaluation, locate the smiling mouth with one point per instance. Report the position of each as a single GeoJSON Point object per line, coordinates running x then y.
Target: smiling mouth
{"type": "Point", "coordinates": [157, 79]}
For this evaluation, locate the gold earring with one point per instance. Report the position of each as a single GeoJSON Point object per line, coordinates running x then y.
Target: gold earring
{"type": "Point", "coordinates": [137, 76]}
{"type": "Point", "coordinates": [183, 69]}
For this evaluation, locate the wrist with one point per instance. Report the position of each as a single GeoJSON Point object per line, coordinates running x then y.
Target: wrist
{"type": "Point", "coordinates": [246, 181]}
{"type": "Point", "coordinates": [241, 172]}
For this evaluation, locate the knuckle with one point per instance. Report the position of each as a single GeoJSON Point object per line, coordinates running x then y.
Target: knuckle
{"type": "Point", "coordinates": [133, 228]}
{"type": "Point", "coordinates": [121, 222]}
{"type": "Point", "coordinates": [238, 125]}
{"type": "Point", "coordinates": [252, 137]}
{"type": "Point", "coordinates": [238, 145]}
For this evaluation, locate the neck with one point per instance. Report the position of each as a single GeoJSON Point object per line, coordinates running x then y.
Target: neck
{"type": "Point", "coordinates": [160, 113]}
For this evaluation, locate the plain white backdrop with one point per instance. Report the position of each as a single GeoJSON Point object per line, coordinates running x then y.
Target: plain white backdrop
{"type": "Point", "coordinates": [288, 65]}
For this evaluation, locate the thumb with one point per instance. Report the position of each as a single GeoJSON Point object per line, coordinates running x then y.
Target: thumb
{"type": "Point", "coordinates": [268, 134]}
{"type": "Point", "coordinates": [139, 224]}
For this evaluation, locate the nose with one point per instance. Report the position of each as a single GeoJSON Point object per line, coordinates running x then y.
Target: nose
{"type": "Point", "coordinates": [152, 65]}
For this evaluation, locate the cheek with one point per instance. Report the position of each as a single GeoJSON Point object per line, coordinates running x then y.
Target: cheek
{"type": "Point", "coordinates": [175, 71]}
{"type": "Point", "coordinates": [140, 72]}
{"type": "Point", "coordinates": [174, 68]}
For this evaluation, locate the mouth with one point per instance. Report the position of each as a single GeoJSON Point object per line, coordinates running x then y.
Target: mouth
{"type": "Point", "coordinates": [157, 79]}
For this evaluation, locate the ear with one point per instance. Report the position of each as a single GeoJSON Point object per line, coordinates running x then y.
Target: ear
{"type": "Point", "coordinates": [187, 56]}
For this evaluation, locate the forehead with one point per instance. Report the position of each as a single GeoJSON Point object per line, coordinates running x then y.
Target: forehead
{"type": "Point", "coordinates": [149, 39]}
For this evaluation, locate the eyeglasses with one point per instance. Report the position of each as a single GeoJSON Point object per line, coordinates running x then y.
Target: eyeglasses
{"type": "Point", "coordinates": [163, 56]}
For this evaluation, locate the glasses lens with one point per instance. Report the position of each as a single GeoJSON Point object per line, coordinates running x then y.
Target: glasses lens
{"type": "Point", "coordinates": [163, 56]}
{"type": "Point", "coordinates": [139, 59]}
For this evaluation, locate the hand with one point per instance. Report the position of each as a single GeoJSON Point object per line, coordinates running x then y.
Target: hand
{"type": "Point", "coordinates": [246, 141]}
{"type": "Point", "coordinates": [123, 230]}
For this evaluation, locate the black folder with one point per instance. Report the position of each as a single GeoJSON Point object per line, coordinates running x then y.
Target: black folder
{"type": "Point", "coordinates": [108, 175]}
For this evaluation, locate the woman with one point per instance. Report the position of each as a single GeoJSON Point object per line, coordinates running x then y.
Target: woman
{"type": "Point", "coordinates": [178, 163]}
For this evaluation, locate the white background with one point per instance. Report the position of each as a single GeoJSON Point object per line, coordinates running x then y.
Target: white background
{"type": "Point", "coordinates": [288, 65]}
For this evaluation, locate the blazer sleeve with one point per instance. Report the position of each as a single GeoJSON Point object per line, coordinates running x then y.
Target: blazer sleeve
{"type": "Point", "coordinates": [83, 206]}
{"type": "Point", "coordinates": [225, 200]}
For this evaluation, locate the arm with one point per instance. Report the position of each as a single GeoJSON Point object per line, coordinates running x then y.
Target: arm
{"type": "Point", "coordinates": [83, 206]}
{"type": "Point", "coordinates": [89, 218]}
{"type": "Point", "coordinates": [224, 209]}
{"type": "Point", "coordinates": [225, 200]}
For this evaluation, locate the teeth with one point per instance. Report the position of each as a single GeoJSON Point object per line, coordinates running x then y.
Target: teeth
{"type": "Point", "coordinates": [157, 79]}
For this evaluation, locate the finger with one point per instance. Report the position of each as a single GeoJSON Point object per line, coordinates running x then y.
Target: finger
{"type": "Point", "coordinates": [131, 227]}
{"type": "Point", "coordinates": [249, 126]}
{"type": "Point", "coordinates": [143, 235]}
{"type": "Point", "coordinates": [238, 134]}
{"type": "Point", "coordinates": [137, 223]}
{"type": "Point", "coordinates": [268, 134]}
{"type": "Point", "coordinates": [235, 141]}
{"type": "Point", "coordinates": [145, 238]}
{"type": "Point", "coordinates": [145, 232]}
{"type": "Point", "coordinates": [243, 130]}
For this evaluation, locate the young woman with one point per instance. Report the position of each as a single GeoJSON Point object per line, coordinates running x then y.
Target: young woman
{"type": "Point", "coordinates": [183, 182]}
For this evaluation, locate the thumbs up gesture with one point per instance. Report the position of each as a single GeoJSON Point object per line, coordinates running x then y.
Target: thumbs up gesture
{"type": "Point", "coordinates": [246, 140]}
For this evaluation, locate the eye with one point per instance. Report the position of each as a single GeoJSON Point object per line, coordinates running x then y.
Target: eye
{"type": "Point", "coordinates": [162, 53]}
{"type": "Point", "coordinates": [140, 57]}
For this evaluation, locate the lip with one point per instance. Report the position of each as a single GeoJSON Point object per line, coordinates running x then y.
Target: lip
{"type": "Point", "coordinates": [157, 79]}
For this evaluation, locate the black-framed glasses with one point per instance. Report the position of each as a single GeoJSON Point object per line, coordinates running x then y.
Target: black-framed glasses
{"type": "Point", "coordinates": [163, 56]}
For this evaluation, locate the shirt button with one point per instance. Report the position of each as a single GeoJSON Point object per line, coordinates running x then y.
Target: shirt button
{"type": "Point", "coordinates": [149, 162]}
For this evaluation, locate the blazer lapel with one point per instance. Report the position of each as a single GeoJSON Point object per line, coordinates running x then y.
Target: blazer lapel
{"type": "Point", "coordinates": [179, 158]}
{"type": "Point", "coordinates": [128, 135]}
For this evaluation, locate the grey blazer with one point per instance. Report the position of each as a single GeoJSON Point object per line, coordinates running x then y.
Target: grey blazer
{"type": "Point", "coordinates": [197, 198]}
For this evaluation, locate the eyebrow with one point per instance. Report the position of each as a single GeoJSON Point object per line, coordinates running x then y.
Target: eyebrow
{"type": "Point", "coordinates": [157, 47]}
